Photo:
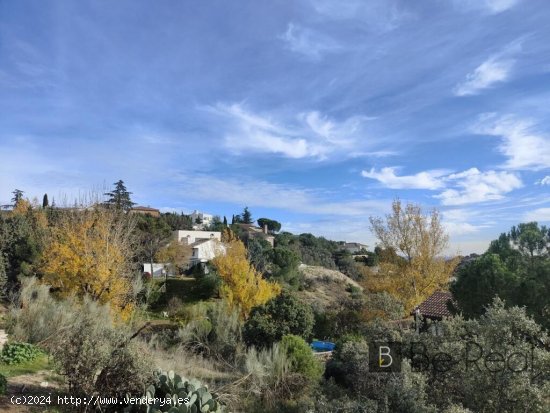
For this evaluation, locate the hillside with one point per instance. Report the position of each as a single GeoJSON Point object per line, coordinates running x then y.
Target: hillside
{"type": "Point", "coordinates": [325, 288]}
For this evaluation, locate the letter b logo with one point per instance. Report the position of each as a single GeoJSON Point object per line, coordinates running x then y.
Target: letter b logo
{"type": "Point", "coordinates": [384, 357]}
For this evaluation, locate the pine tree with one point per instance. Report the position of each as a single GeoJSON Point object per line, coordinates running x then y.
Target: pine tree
{"type": "Point", "coordinates": [17, 196]}
{"type": "Point", "coordinates": [224, 221]}
{"type": "Point", "coordinates": [246, 216]}
{"type": "Point", "coordinates": [120, 197]}
{"type": "Point", "coordinates": [45, 202]}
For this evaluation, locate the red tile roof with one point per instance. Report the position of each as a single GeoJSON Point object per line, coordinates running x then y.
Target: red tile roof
{"type": "Point", "coordinates": [435, 305]}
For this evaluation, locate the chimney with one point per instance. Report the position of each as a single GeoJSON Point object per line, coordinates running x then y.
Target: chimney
{"type": "Point", "coordinates": [265, 228]}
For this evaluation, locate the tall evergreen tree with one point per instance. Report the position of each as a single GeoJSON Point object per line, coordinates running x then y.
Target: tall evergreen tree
{"type": "Point", "coordinates": [17, 196]}
{"type": "Point", "coordinates": [246, 216]}
{"type": "Point", "coordinates": [120, 197]}
{"type": "Point", "coordinates": [224, 221]}
{"type": "Point", "coordinates": [45, 202]}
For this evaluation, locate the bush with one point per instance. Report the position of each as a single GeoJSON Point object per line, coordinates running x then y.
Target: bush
{"type": "Point", "coordinates": [3, 384]}
{"type": "Point", "coordinates": [282, 315]}
{"type": "Point", "coordinates": [214, 330]}
{"type": "Point", "coordinates": [96, 355]}
{"type": "Point", "coordinates": [301, 357]}
{"type": "Point", "coordinates": [17, 353]}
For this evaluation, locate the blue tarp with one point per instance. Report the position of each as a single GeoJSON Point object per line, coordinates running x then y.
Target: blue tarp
{"type": "Point", "coordinates": [322, 346]}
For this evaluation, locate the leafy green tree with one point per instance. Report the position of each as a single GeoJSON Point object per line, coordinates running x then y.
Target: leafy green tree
{"type": "Point", "coordinates": [258, 253]}
{"type": "Point", "coordinates": [282, 315]}
{"type": "Point", "coordinates": [285, 265]}
{"type": "Point", "coordinates": [119, 197]}
{"type": "Point", "coordinates": [176, 221]}
{"type": "Point", "coordinates": [272, 225]}
{"type": "Point", "coordinates": [480, 281]}
{"type": "Point", "coordinates": [515, 268]}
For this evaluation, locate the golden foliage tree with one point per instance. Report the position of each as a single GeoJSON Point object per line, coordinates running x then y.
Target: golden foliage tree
{"type": "Point", "coordinates": [175, 253]}
{"type": "Point", "coordinates": [89, 253]}
{"type": "Point", "coordinates": [242, 286]}
{"type": "Point", "coordinates": [420, 239]}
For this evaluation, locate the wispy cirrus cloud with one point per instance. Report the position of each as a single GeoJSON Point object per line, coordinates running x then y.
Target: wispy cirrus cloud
{"type": "Point", "coordinates": [308, 42]}
{"type": "Point", "coordinates": [492, 71]}
{"type": "Point", "coordinates": [306, 135]}
{"type": "Point", "coordinates": [544, 181]}
{"type": "Point", "coordinates": [523, 148]}
{"type": "Point", "coordinates": [422, 180]}
{"type": "Point", "coordinates": [261, 193]}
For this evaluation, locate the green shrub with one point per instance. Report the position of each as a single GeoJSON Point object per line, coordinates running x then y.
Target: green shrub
{"type": "Point", "coordinates": [17, 353]}
{"type": "Point", "coordinates": [3, 384]}
{"type": "Point", "coordinates": [282, 315]}
{"type": "Point", "coordinates": [301, 357]}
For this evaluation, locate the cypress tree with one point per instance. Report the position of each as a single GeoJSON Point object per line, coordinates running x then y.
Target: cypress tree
{"type": "Point", "coordinates": [45, 202]}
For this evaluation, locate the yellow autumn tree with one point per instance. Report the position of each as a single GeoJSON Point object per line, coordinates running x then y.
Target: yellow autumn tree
{"type": "Point", "coordinates": [419, 269]}
{"type": "Point", "coordinates": [242, 286]}
{"type": "Point", "coordinates": [88, 253]}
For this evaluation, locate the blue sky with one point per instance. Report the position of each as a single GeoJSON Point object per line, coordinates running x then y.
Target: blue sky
{"type": "Point", "coordinates": [315, 113]}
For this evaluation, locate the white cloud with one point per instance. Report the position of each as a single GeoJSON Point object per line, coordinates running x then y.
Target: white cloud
{"type": "Point", "coordinates": [308, 42]}
{"type": "Point", "coordinates": [306, 135]}
{"type": "Point", "coordinates": [544, 181]}
{"type": "Point", "coordinates": [490, 72]}
{"type": "Point", "coordinates": [487, 6]}
{"type": "Point", "coordinates": [422, 180]}
{"type": "Point", "coordinates": [473, 186]}
{"type": "Point", "coordinates": [539, 215]}
{"type": "Point", "coordinates": [523, 148]}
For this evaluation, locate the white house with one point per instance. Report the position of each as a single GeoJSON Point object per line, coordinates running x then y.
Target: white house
{"type": "Point", "coordinates": [206, 250]}
{"type": "Point", "coordinates": [205, 244]}
{"type": "Point", "coordinates": [187, 237]}
{"type": "Point", "coordinates": [200, 220]}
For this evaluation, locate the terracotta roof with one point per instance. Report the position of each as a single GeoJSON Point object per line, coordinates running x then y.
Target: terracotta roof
{"type": "Point", "coordinates": [435, 306]}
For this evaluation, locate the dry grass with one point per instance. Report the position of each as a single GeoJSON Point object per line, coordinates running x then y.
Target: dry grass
{"type": "Point", "coordinates": [325, 288]}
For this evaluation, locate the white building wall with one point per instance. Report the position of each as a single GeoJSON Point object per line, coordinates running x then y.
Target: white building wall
{"type": "Point", "coordinates": [207, 251]}
{"type": "Point", "coordinates": [158, 269]}
{"type": "Point", "coordinates": [189, 237]}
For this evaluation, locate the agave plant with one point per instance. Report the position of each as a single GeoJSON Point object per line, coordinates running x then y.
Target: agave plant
{"type": "Point", "coordinates": [186, 396]}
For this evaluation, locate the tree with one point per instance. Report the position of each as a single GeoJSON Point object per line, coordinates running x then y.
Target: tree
{"type": "Point", "coordinates": [246, 216]}
{"type": "Point", "coordinates": [89, 253]}
{"type": "Point", "coordinates": [516, 268]}
{"type": "Point", "coordinates": [45, 202]}
{"type": "Point", "coordinates": [242, 285]}
{"type": "Point", "coordinates": [224, 221]}
{"type": "Point", "coordinates": [272, 225]}
{"type": "Point", "coordinates": [17, 196]}
{"type": "Point", "coordinates": [3, 276]}
{"type": "Point", "coordinates": [421, 239]}
{"type": "Point", "coordinates": [119, 197]}
{"type": "Point", "coordinates": [176, 254]}
{"type": "Point", "coordinates": [282, 315]}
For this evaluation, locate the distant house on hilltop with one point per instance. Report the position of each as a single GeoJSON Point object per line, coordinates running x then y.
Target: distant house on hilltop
{"type": "Point", "coordinates": [354, 247]}
{"type": "Point", "coordinates": [200, 220]}
{"type": "Point", "coordinates": [145, 211]}
{"type": "Point", "coordinates": [250, 231]}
